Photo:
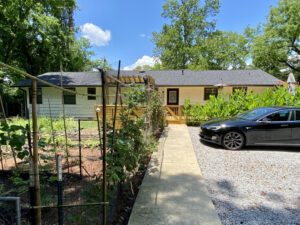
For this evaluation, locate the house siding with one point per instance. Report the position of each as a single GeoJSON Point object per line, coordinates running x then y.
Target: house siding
{"type": "Point", "coordinates": [83, 108]}
{"type": "Point", "coordinates": [196, 94]}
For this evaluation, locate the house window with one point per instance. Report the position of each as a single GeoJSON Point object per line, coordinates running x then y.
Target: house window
{"type": "Point", "coordinates": [244, 89]}
{"type": "Point", "coordinates": [91, 91]}
{"type": "Point", "coordinates": [210, 91]}
{"type": "Point", "coordinates": [39, 96]}
{"type": "Point", "coordinates": [69, 98]}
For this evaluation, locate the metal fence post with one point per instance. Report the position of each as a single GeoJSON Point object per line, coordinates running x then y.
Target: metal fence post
{"type": "Point", "coordinates": [103, 78]}
{"type": "Point", "coordinates": [79, 146]}
{"type": "Point", "coordinates": [31, 192]}
{"type": "Point", "coordinates": [59, 190]}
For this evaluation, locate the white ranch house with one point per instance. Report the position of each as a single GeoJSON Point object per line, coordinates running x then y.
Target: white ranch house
{"type": "Point", "coordinates": [175, 86]}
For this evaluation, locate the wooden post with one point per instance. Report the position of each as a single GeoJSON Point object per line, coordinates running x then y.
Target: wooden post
{"type": "Point", "coordinates": [35, 155]}
{"type": "Point", "coordinates": [103, 78]}
{"type": "Point", "coordinates": [2, 107]}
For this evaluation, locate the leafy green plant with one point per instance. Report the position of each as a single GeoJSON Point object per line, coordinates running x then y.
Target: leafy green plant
{"type": "Point", "coordinates": [225, 106]}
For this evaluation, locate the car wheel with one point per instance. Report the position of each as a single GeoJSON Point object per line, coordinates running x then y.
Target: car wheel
{"type": "Point", "coordinates": [233, 140]}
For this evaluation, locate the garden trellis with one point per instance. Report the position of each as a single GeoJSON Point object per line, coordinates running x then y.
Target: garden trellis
{"type": "Point", "coordinates": [143, 84]}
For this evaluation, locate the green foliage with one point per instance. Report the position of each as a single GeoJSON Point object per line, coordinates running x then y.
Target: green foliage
{"type": "Point", "coordinates": [14, 136]}
{"type": "Point", "coordinates": [157, 66]}
{"type": "Point", "coordinates": [276, 45]}
{"type": "Point", "coordinates": [221, 50]}
{"type": "Point", "coordinates": [228, 106]}
{"type": "Point", "coordinates": [38, 36]}
{"type": "Point", "coordinates": [157, 112]}
{"type": "Point", "coordinates": [44, 124]}
{"type": "Point", "coordinates": [131, 147]}
{"type": "Point", "coordinates": [189, 24]}
{"type": "Point", "coordinates": [100, 63]}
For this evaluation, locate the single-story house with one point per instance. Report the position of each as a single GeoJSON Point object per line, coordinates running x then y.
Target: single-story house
{"type": "Point", "coordinates": [175, 86]}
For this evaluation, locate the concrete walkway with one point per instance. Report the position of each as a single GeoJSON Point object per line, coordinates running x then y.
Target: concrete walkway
{"type": "Point", "coordinates": [173, 191]}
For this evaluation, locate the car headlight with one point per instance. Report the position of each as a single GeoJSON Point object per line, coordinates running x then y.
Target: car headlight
{"type": "Point", "coordinates": [217, 127]}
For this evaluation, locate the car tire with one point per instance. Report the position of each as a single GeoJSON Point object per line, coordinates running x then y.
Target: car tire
{"type": "Point", "coordinates": [233, 140]}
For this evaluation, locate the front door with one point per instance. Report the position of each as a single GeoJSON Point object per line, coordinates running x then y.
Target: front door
{"type": "Point", "coordinates": [172, 96]}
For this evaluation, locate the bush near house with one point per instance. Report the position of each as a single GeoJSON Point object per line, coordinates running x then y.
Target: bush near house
{"type": "Point", "coordinates": [225, 106]}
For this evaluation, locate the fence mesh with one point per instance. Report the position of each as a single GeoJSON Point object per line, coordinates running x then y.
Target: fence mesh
{"type": "Point", "coordinates": [60, 132]}
{"type": "Point", "coordinates": [9, 211]}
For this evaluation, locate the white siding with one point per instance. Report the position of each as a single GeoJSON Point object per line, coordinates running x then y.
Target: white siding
{"type": "Point", "coordinates": [83, 108]}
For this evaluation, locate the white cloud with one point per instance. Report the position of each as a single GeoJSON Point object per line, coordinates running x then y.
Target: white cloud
{"type": "Point", "coordinates": [95, 34]}
{"type": "Point", "coordinates": [142, 35]}
{"type": "Point", "coordinates": [145, 60]}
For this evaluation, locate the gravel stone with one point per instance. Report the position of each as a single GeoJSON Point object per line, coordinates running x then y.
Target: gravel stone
{"type": "Point", "coordinates": [256, 185]}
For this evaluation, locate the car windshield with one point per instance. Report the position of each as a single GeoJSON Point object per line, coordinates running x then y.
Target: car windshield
{"type": "Point", "coordinates": [254, 114]}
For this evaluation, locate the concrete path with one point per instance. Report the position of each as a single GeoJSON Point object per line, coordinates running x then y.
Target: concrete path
{"type": "Point", "coordinates": [173, 191]}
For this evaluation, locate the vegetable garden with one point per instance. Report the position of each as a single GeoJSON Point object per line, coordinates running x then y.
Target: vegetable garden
{"type": "Point", "coordinates": [82, 200]}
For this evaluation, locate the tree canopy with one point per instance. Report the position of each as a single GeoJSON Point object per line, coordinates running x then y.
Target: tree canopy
{"type": "Point", "coordinates": [190, 22]}
{"type": "Point", "coordinates": [276, 46]}
{"type": "Point", "coordinates": [191, 41]}
{"type": "Point", "coordinates": [38, 36]}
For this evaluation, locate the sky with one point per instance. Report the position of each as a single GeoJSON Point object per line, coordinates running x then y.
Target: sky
{"type": "Point", "coordinates": [122, 29]}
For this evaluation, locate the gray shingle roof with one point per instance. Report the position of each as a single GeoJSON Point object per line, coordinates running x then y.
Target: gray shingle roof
{"type": "Point", "coordinates": [166, 78]}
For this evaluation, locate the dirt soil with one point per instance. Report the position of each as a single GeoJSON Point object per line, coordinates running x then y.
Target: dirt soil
{"type": "Point", "coordinates": [74, 186]}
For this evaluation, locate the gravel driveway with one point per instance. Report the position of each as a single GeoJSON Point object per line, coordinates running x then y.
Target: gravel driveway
{"type": "Point", "coordinates": [251, 186]}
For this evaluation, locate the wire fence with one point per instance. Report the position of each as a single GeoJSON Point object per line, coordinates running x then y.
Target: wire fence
{"type": "Point", "coordinates": [59, 172]}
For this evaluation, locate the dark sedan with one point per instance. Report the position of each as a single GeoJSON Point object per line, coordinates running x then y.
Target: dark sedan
{"type": "Point", "coordinates": [263, 126]}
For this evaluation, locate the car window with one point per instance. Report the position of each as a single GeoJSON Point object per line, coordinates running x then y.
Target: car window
{"type": "Point", "coordinates": [284, 115]}
{"type": "Point", "coordinates": [256, 113]}
{"type": "Point", "coordinates": [297, 115]}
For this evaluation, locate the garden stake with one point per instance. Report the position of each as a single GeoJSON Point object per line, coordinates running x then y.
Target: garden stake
{"type": "Point", "coordinates": [64, 118]}
{"type": "Point", "coordinates": [99, 133]}
{"type": "Point", "coordinates": [103, 79]}
{"type": "Point", "coordinates": [35, 156]}
{"type": "Point", "coordinates": [79, 145]}
{"type": "Point", "coordinates": [1, 159]}
{"type": "Point", "coordinates": [116, 103]}
{"type": "Point", "coordinates": [59, 190]}
{"type": "Point", "coordinates": [52, 129]}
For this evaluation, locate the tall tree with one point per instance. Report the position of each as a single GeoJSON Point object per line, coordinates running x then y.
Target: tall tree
{"type": "Point", "coordinates": [276, 47]}
{"type": "Point", "coordinates": [37, 36]}
{"type": "Point", "coordinates": [221, 50]}
{"type": "Point", "coordinates": [190, 22]}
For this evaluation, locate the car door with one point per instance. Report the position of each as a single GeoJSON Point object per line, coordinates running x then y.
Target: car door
{"type": "Point", "coordinates": [296, 128]}
{"type": "Point", "coordinates": [277, 127]}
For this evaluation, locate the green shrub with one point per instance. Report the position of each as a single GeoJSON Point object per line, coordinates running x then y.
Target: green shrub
{"type": "Point", "coordinates": [225, 106]}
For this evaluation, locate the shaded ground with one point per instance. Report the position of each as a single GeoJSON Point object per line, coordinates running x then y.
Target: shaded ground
{"type": "Point", "coordinates": [257, 185]}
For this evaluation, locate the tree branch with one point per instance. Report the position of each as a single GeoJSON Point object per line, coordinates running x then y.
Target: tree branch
{"type": "Point", "coordinates": [290, 66]}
